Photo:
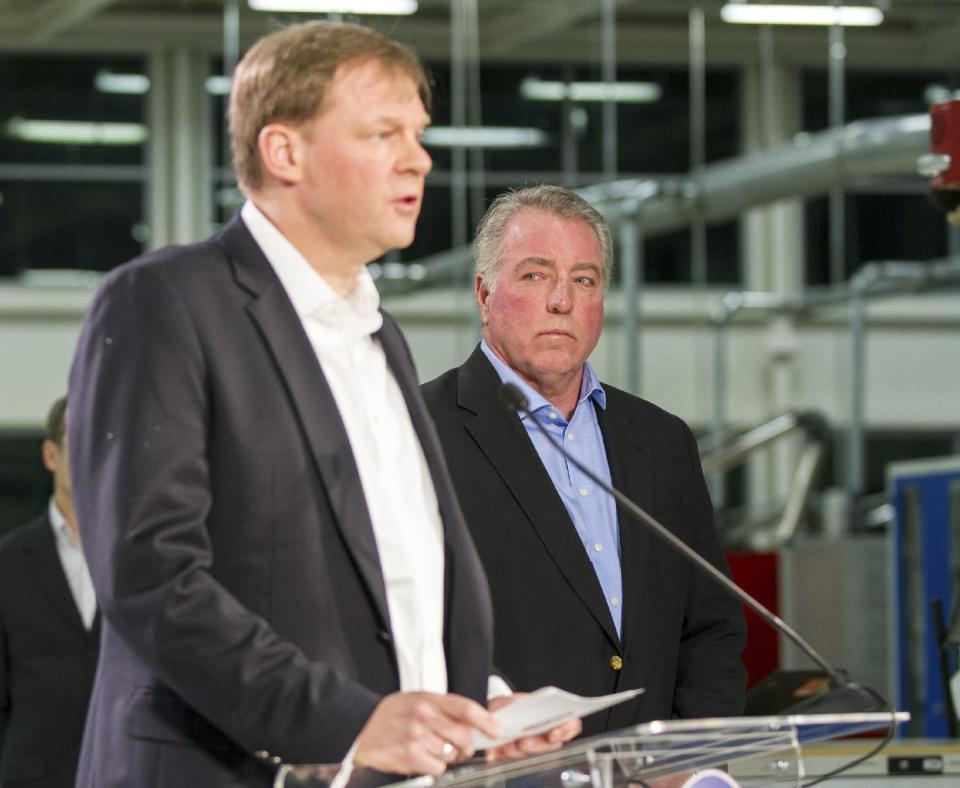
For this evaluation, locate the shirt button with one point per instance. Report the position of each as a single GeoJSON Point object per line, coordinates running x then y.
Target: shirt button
{"type": "Point", "coordinates": [583, 492]}
{"type": "Point", "coordinates": [614, 601]}
{"type": "Point", "coordinates": [551, 415]}
{"type": "Point", "coordinates": [615, 662]}
{"type": "Point", "coordinates": [598, 547]}
{"type": "Point", "coordinates": [569, 436]}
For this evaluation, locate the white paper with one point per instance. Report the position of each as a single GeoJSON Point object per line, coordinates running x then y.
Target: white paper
{"type": "Point", "coordinates": [545, 709]}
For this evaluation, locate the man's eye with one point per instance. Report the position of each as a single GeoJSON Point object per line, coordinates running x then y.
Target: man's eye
{"type": "Point", "coordinates": [586, 280]}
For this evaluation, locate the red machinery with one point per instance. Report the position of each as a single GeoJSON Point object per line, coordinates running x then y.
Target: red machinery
{"type": "Point", "coordinates": [942, 164]}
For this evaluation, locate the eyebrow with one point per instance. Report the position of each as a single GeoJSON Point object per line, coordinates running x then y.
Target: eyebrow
{"type": "Point", "coordinates": [528, 262]}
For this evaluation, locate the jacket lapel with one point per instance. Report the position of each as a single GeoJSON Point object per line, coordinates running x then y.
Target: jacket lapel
{"type": "Point", "coordinates": [43, 566]}
{"type": "Point", "coordinates": [313, 402]}
{"type": "Point", "coordinates": [401, 365]}
{"type": "Point", "coordinates": [631, 470]}
{"type": "Point", "coordinates": [503, 439]}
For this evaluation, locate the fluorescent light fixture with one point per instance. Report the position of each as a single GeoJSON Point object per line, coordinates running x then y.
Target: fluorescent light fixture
{"type": "Point", "coordinates": [218, 85]}
{"type": "Point", "coordinates": [776, 14]}
{"type": "Point", "coordinates": [484, 137]}
{"type": "Point", "coordinates": [399, 7]}
{"type": "Point", "coordinates": [624, 92]}
{"type": "Point", "coordinates": [76, 132]}
{"type": "Point", "coordinates": [126, 84]}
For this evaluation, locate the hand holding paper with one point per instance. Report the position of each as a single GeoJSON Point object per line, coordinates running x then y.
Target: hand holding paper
{"type": "Point", "coordinates": [544, 709]}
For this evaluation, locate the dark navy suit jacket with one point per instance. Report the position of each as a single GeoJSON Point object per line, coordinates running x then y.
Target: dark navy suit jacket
{"type": "Point", "coordinates": [681, 635]}
{"type": "Point", "coordinates": [227, 531]}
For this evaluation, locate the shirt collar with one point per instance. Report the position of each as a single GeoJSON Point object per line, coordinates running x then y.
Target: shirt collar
{"type": "Point", "coordinates": [589, 383]}
{"type": "Point", "coordinates": [312, 297]}
{"type": "Point", "coordinates": [61, 529]}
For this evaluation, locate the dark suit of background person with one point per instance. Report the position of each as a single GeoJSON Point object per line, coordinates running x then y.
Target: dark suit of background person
{"type": "Point", "coordinates": [681, 635]}
{"type": "Point", "coordinates": [47, 653]}
{"type": "Point", "coordinates": [228, 533]}
{"type": "Point", "coordinates": [47, 663]}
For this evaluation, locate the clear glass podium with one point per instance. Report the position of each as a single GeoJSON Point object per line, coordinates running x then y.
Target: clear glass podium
{"type": "Point", "coordinates": [638, 756]}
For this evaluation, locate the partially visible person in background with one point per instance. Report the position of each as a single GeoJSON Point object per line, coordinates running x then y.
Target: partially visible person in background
{"type": "Point", "coordinates": [49, 631]}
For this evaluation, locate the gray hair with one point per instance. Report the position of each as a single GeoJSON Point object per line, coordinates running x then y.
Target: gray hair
{"type": "Point", "coordinates": [554, 200]}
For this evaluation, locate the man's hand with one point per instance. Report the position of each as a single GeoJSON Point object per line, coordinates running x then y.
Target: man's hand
{"type": "Point", "coordinates": [552, 739]}
{"type": "Point", "coordinates": [421, 732]}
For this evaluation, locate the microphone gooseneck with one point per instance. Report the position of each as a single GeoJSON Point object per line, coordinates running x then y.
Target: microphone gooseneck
{"type": "Point", "coordinates": [845, 696]}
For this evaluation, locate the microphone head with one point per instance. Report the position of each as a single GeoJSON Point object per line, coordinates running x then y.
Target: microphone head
{"type": "Point", "coordinates": [513, 398]}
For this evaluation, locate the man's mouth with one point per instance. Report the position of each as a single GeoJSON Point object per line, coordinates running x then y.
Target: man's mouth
{"type": "Point", "coordinates": [408, 202]}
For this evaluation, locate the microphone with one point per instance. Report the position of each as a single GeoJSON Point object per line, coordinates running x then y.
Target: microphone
{"type": "Point", "coordinates": [844, 696]}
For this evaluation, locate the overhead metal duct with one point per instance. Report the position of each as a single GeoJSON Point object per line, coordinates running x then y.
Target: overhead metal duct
{"type": "Point", "coordinates": [810, 165]}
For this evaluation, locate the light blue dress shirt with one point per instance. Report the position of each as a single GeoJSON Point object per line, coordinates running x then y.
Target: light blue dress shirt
{"type": "Point", "coordinates": [593, 511]}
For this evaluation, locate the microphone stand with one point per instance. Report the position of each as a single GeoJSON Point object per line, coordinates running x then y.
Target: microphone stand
{"type": "Point", "coordinates": [844, 696]}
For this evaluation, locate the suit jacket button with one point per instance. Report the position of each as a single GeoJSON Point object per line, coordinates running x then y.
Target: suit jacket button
{"type": "Point", "coordinates": [616, 662]}
{"type": "Point", "coordinates": [383, 635]}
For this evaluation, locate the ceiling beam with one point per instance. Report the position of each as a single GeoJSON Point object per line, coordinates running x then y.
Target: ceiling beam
{"type": "Point", "coordinates": [55, 17]}
{"type": "Point", "coordinates": [533, 21]}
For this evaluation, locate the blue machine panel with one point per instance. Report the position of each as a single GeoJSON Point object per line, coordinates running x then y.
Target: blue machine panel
{"type": "Point", "coordinates": [926, 562]}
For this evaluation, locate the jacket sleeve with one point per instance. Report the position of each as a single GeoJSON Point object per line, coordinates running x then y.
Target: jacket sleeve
{"type": "Point", "coordinates": [4, 684]}
{"type": "Point", "coordinates": [711, 677]}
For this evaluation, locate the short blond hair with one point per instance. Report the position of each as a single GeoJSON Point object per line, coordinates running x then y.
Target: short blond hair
{"type": "Point", "coordinates": [285, 75]}
{"type": "Point", "coordinates": [57, 422]}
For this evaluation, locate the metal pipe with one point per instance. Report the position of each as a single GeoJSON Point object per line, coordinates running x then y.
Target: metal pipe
{"type": "Point", "coordinates": [800, 488]}
{"type": "Point", "coordinates": [458, 117]}
{"type": "Point", "coordinates": [631, 264]}
{"type": "Point", "coordinates": [568, 133]}
{"type": "Point", "coordinates": [608, 59]}
{"type": "Point", "coordinates": [698, 146]}
{"type": "Point", "coordinates": [476, 169]}
{"type": "Point", "coordinates": [723, 459]}
{"type": "Point", "coordinates": [855, 429]}
{"type": "Point", "coordinates": [837, 55]}
{"type": "Point", "coordinates": [807, 166]}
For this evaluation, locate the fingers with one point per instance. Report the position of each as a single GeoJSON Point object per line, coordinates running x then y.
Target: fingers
{"type": "Point", "coordinates": [552, 739]}
{"type": "Point", "coordinates": [421, 732]}
{"type": "Point", "coordinates": [470, 713]}
{"type": "Point", "coordinates": [565, 732]}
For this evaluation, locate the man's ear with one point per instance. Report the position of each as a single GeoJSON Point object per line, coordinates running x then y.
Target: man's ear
{"type": "Point", "coordinates": [483, 295]}
{"type": "Point", "coordinates": [280, 147]}
{"type": "Point", "coordinates": [50, 454]}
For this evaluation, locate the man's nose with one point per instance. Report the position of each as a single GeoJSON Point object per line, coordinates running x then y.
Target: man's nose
{"type": "Point", "coordinates": [416, 158]}
{"type": "Point", "coordinates": [559, 301]}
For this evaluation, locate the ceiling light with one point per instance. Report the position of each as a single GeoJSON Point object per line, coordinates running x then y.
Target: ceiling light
{"type": "Point", "coordinates": [625, 92]}
{"type": "Point", "coordinates": [336, 6]}
{"type": "Point", "coordinates": [484, 137]}
{"type": "Point", "coordinates": [76, 132]}
{"type": "Point", "coordinates": [776, 14]}
{"type": "Point", "coordinates": [218, 85]}
{"type": "Point", "coordinates": [125, 84]}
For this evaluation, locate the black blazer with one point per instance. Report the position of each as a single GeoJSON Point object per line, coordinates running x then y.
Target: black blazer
{"type": "Point", "coordinates": [47, 662]}
{"type": "Point", "coordinates": [682, 637]}
{"type": "Point", "coordinates": [227, 532]}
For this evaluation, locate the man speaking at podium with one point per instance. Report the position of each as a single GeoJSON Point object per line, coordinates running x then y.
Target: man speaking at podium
{"type": "Point", "coordinates": [584, 598]}
{"type": "Point", "coordinates": [282, 565]}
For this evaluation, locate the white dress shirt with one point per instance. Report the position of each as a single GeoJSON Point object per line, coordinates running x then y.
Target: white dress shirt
{"type": "Point", "coordinates": [393, 470]}
{"type": "Point", "coordinates": [74, 565]}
